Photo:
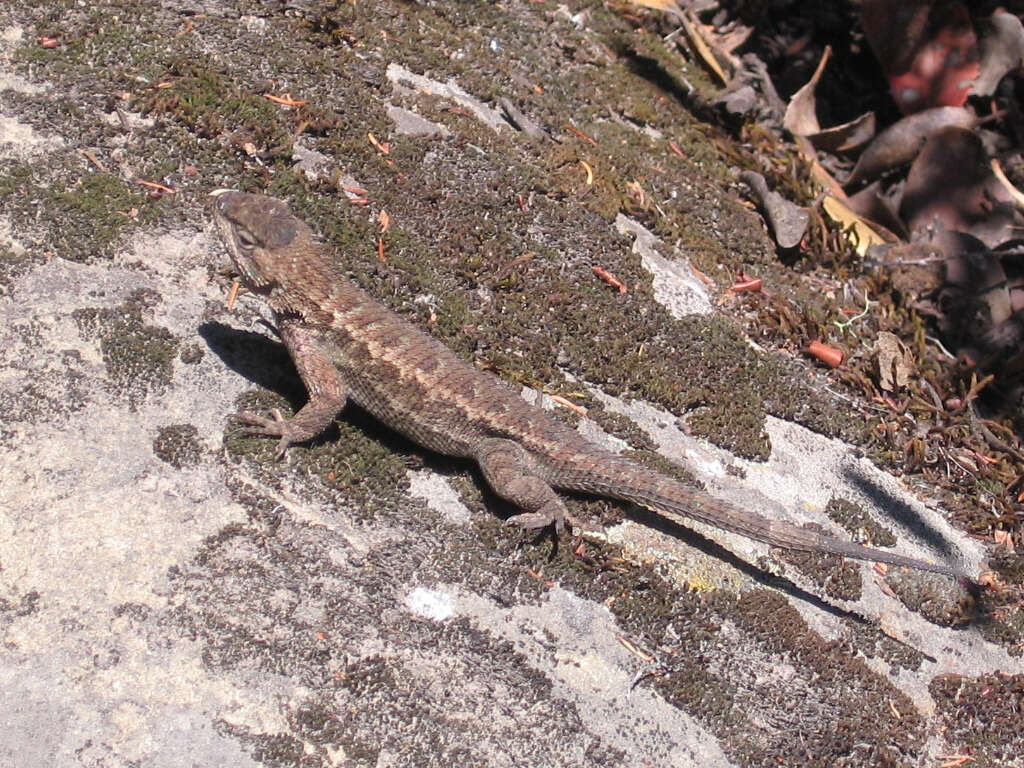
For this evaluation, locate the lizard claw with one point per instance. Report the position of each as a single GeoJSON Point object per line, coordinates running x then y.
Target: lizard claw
{"type": "Point", "coordinates": [278, 426]}
{"type": "Point", "coordinates": [531, 521]}
{"type": "Point", "coordinates": [261, 425]}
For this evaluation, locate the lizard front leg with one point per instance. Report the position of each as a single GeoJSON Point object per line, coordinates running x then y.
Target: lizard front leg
{"type": "Point", "coordinates": [509, 470]}
{"type": "Point", "coordinates": [327, 393]}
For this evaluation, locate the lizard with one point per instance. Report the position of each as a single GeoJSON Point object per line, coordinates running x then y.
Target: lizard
{"type": "Point", "coordinates": [346, 345]}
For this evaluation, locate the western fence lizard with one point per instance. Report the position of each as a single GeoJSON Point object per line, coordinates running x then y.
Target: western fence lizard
{"type": "Point", "coordinates": [346, 345]}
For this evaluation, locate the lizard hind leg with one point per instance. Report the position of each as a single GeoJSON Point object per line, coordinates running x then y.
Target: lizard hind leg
{"type": "Point", "coordinates": [510, 472]}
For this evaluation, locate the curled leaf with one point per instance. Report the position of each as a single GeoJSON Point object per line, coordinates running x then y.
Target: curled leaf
{"type": "Point", "coordinates": [950, 185]}
{"type": "Point", "coordinates": [1002, 50]}
{"type": "Point", "coordinates": [845, 137]}
{"type": "Point", "coordinates": [801, 118]}
{"type": "Point", "coordinates": [899, 143]}
{"type": "Point", "coordinates": [702, 46]}
{"type": "Point", "coordinates": [869, 204]}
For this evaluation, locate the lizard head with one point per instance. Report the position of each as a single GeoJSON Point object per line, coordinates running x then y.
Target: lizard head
{"type": "Point", "coordinates": [257, 231]}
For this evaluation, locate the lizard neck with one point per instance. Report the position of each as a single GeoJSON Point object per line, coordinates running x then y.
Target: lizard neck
{"type": "Point", "coordinates": [316, 290]}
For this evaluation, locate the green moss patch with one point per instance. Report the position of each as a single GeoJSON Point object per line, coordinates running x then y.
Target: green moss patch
{"type": "Point", "coordinates": [139, 357]}
{"type": "Point", "coordinates": [178, 445]}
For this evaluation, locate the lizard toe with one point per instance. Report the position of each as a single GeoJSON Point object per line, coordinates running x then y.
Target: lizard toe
{"type": "Point", "coordinates": [531, 521]}
{"type": "Point", "coordinates": [261, 425]}
{"type": "Point", "coordinates": [282, 447]}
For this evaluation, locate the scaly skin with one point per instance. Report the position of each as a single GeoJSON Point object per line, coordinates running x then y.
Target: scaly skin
{"type": "Point", "coordinates": [346, 345]}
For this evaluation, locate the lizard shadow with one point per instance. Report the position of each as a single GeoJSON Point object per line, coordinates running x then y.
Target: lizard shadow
{"type": "Point", "coordinates": [902, 514]}
{"type": "Point", "coordinates": [265, 362]}
{"type": "Point", "coordinates": [262, 360]}
{"type": "Point", "coordinates": [681, 533]}
{"type": "Point", "coordinates": [711, 548]}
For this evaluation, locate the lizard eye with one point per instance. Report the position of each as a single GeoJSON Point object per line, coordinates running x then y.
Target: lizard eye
{"type": "Point", "coordinates": [245, 239]}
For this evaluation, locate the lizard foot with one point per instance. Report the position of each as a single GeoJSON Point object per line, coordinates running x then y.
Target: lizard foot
{"type": "Point", "coordinates": [532, 521]}
{"type": "Point", "coordinates": [278, 426]}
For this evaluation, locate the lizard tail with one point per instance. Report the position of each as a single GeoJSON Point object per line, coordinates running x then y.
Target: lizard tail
{"type": "Point", "coordinates": [666, 495]}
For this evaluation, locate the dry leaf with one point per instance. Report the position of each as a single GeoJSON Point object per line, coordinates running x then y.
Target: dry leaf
{"type": "Point", "coordinates": [894, 362]}
{"type": "Point", "coordinates": [788, 221]}
{"type": "Point", "coordinates": [846, 137]}
{"type": "Point", "coordinates": [660, 5]}
{"type": "Point", "coordinates": [951, 185]}
{"type": "Point", "coordinates": [1015, 194]}
{"type": "Point", "coordinates": [801, 117]}
{"type": "Point", "coordinates": [1002, 49]}
{"type": "Point", "coordinates": [702, 46]}
{"type": "Point", "coordinates": [732, 36]}
{"type": "Point", "coordinates": [711, 47]}
{"type": "Point", "coordinates": [901, 141]}
{"type": "Point", "coordinates": [869, 204]}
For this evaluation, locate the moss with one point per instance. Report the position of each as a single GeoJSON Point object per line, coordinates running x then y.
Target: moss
{"type": "Point", "coordinates": [931, 595]}
{"type": "Point", "coordinates": [95, 213]}
{"type": "Point", "coordinates": [861, 526]}
{"type": "Point", "coordinates": [982, 717]}
{"type": "Point", "coordinates": [840, 579]}
{"type": "Point", "coordinates": [621, 427]}
{"type": "Point", "coordinates": [209, 105]}
{"type": "Point", "coordinates": [1010, 568]}
{"type": "Point", "coordinates": [356, 456]}
{"type": "Point", "coordinates": [12, 266]}
{"type": "Point", "coordinates": [274, 750]}
{"type": "Point", "coordinates": [191, 354]}
{"type": "Point", "coordinates": [139, 358]}
{"type": "Point", "coordinates": [24, 604]}
{"type": "Point", "coordinates": [872, 642]}
{"type": "Point", "coordinates": [178, 445]}
{"type": "Point", "coordinates": [95, 209]}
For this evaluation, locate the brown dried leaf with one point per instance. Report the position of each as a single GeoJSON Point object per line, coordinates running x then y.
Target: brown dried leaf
{"type": "Point", "coordinates": [881, 211]}
{"type": "Point", "coordinates": [950, 185]}
{"type": "Point", "coordinates": [846, 137]}
{"type": "Point", "coordinates": [801, 117]}
{"type": "Point", "coordinates": [732, 36]}
{"type": "Point", "coordinates": [1002, 50]}
{"type": "Point", "coordinates": [900, 142]}
{"type": "Point", "coordinates": [894, 362]}
{"type": "Point", "coordinates": [788, 221]}
{"type": "Point", "coordinates": [659, 5]}
{"type": "Point", "coordinates": [1015, 194]}
{"type": "Point", "coordinates": [696, 32]}
{"type": "Point", "coordinates": [859, 231]}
